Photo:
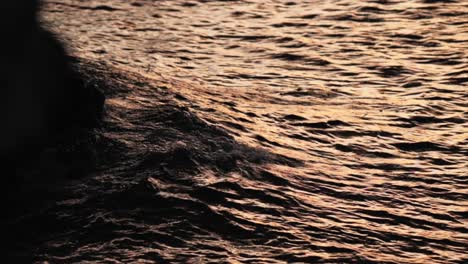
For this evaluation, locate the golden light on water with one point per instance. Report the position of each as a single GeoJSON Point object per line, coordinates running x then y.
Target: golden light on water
{"type": "Point", "coordinates": [348, 125]}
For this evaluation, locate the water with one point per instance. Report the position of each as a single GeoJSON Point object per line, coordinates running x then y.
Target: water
{"type": "Point", "coordinates": [349, 121]}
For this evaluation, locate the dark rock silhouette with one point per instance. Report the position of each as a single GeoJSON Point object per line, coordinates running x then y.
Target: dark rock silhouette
{"type": "Point", "coordinates": [42, 95]}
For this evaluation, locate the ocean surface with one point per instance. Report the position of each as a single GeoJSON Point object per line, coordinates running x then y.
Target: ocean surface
{"type": "Point", "coordinates": [268, 132]}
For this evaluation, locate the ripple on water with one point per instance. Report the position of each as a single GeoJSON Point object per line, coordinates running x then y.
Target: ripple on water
{"type": "Point", "coordinates": [359, 107]}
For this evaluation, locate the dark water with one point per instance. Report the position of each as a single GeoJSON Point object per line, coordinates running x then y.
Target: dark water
{"type": "Point", "coordinates": [347, 134]}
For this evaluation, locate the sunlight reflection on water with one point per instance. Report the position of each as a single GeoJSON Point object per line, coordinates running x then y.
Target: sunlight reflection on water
{"type": "Point", "coordinates": [370, 95]}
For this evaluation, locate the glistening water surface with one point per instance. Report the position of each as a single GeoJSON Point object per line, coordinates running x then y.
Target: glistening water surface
{"type": "Point", "coordinates": [368, 98]}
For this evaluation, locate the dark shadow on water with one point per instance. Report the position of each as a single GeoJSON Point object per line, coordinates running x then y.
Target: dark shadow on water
{"type": "Point", "coordinates": [44, 100]}
{"type": "Point", "coordinates": [47, 113]}
{"type": "Point", "coordinates": [147, 145]}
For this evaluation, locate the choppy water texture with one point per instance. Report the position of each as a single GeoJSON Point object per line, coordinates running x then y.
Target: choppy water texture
{"type": "Point", "coordinates": [348, 121]}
